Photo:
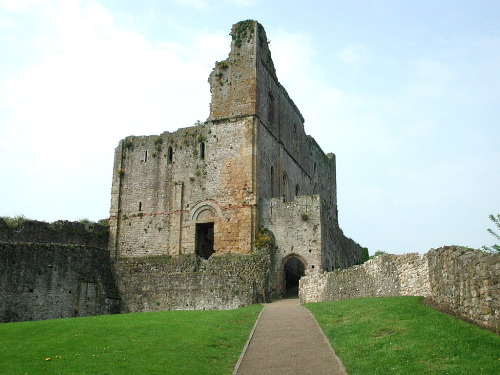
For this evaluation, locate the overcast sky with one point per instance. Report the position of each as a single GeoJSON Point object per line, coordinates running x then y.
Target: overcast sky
{"type": "Point", "coordinates": [405, 93]}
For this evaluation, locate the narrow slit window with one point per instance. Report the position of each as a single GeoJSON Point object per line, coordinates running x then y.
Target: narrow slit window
{"type": "Point", "coordinates": [285, 187]}
{"type": "Point", "coordinates": [145, 156]}
{"type": "Point", "coordinates": [202, 150]}
{"type": "Point", "coordinates": [140, 206]}
{"type": "Point", "coordinates": [272, 181]}
{"type": "Point", "coordinates": [270, 113]}
{"type": "Point", "coordinates": [170, 154]}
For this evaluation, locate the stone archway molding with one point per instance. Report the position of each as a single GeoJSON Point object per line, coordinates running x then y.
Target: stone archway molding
{"type": "Point", "coordinates": [205, 211]}
{"type": "Point", "coordinates": [293, 255]}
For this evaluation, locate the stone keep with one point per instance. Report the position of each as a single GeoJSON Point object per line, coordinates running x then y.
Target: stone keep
{"type": "Point", "coordinates": [207, 189]}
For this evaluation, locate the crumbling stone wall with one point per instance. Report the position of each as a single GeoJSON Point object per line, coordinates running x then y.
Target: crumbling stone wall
{"type": "Point", "coordinates": [189, 283]}
{"type": "Point", "coordinates": [48, 281]}
{"type": "Point", "coordinates": [465, 282]}
{"type": "Point", "coordinates": [164, 185]}
{"type": "Point", "coordinates": [252, 147]}
{"type": "Point", "coordinates": [62, 232]}
{"type": "Point", "coordinates": [296, 226]}
{"type": "Point", "coordinates": [383, 276]}
{"type": "Point", "coordinates": [51, 280]}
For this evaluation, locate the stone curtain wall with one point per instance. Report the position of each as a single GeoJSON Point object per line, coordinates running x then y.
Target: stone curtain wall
{"type": "Point", "coordinates": [62, 232]}
{"type": "Point", "coordinates": [465, 282]}
{"type": "Point", "coordinates": [55, 270]}
{"type": "Point", "coordinates": [51, 280]}
{"type": "Point", "coordinates": [383, 276]}
{"type": "Point", "coordinates": [189, 283]}
{"type": "Point", "coordinates": [48, 281]}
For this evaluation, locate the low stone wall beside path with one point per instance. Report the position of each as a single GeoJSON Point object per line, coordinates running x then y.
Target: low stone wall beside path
{"type": "Point", "coordinates": [463, 281]}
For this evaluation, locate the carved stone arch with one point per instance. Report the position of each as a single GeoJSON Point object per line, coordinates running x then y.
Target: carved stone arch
{"type": "Point", "coordinates": [204, 215]}
{"type": "Point", "coordinates": [294, 255]}
{"type": "Point", "coordinates": [205, 211]}
{"type": "Point", "coordinates": [293, 267]}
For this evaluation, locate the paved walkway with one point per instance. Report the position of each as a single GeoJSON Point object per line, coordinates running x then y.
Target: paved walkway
{"type": "Point", "coordinates": [287, 340]}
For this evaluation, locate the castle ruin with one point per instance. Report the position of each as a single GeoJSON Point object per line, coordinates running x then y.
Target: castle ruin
{"type": "Point", "coordinates": [207, 189]}
{"type": "Point", "coordinates": [229, 212]}
{"type": "Point", "coordinates": [223, 214]}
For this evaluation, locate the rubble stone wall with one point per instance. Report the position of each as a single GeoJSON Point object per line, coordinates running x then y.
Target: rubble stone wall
{"type": "Point", "coordinates": [467, 282]}
{"type": "Point", "coordinates": [63, 232]}
{"type": "Point", "coordinates": [49, 281]}
{"type": "Point", "coordinates": [463, 281]}
{"type": "Point", "coordinates": [189, 283]}
{"type": "Point", "coordinates": [164, 185]}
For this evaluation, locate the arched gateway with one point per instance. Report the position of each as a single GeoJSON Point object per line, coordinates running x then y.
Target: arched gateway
{"type": "Point", "coordinates": [294, 267]}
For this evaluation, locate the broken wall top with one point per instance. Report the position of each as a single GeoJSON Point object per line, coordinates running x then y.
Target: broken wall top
{"type": "Point", "coordinates": [246, 84]}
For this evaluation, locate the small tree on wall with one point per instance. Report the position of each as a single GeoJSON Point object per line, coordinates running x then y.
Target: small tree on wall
{"type": "Point", "coordinates": [496, 247]}
{"type": "Point", "coordinates": [365, 254]}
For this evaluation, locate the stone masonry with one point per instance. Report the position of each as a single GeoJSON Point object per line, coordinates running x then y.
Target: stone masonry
{"type": "Point", "coordinates": [462, 281]}
{"type": "Point", "coordinates": [207, 189]}
{"type": "Point", "coordinates": [56, 270]}
{"type": "Point", "coordinates": [231, 211]}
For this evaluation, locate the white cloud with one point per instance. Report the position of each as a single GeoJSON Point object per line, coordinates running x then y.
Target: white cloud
{"type": "Point", "coordinates": [245, 3]}
{"type": "Point", "coordinates": [206, 4]}
{"type": "Point", "coordinates": [95, 84]}
{"type": "Point", "coordinates": [353, 54]}
{"type": "Point", "coordinates": [430, 78]}
{"type": "Point", "coordinates": [18, 5]}
{"type": "Point", "coordinates": [198, 4]}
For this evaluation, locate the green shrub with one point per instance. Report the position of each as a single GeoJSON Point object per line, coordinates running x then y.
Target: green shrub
{"type": "Point", "coordinates": [14, 222]}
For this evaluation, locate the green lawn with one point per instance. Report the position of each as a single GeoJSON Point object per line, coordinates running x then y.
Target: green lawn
{"type": "Point", "coordinates": [170, 342]}
{"type": "Point", "coordinates": [371, 335]}
{"type": "Point", "coordinates": [402, 336]}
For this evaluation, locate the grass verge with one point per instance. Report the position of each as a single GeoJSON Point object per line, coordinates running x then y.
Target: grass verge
{"type": "Point", "coordinates": [403, 336]}
{"type": "Point", "coordinates": [169, 342]}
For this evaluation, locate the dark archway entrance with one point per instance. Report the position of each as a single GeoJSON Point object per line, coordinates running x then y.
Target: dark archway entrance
{"type": "Point", "coordinates": [294, 269]}
{"type": "Point", "coordinates": [205, 239]}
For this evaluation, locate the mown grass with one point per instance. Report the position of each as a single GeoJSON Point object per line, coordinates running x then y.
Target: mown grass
{"type": "Point", "coordinates": [170, 342]}
{"type": "Point", "coordinates": [403, 336]}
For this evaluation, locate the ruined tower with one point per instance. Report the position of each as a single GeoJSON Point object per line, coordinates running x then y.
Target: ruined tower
{"type": "Point", "coordinates": [207, 189]}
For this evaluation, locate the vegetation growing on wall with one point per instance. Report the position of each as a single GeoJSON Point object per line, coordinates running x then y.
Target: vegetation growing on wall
{"type": "Point", "coordinates": [13, 223]}
{"type": "Point", "coordinates": [158, 142]}
{"type": "Point", "coordinates": [264, 240]}
{"type": "Point", "coordinates": [364, 254]}
{"type": "Point", "coordinates": [243, 30]}
{"type": "Point", "coordinates": [128, 143]}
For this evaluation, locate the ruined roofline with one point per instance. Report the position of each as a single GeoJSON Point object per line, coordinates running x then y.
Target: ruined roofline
{"type": "Point", "coordinates": [313, 141]}
{"type": "Point", "coordinates": [240, 83]}
{"type": "Point", "coordinates": [269, 64]}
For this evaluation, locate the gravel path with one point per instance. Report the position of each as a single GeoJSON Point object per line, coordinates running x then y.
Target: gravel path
{"type": "Point", "coordinates": [287, 340]}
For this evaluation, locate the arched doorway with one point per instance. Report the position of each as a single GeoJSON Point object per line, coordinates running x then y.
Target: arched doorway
{"type": "Point", "coordinates": [293, 269]}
